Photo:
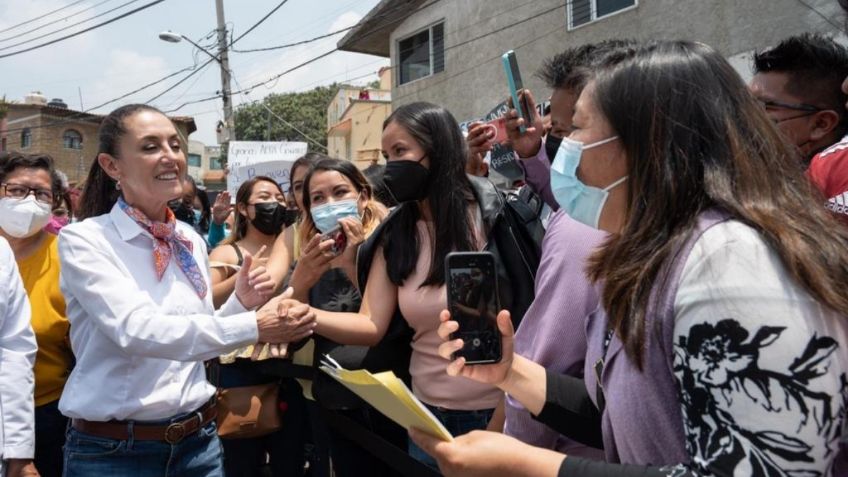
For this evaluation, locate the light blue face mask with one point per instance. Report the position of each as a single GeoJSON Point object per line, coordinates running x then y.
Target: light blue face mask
{"type": "Point", "coordinates": [327, 216]}
{"type": "Point", "coordinates": [583, 203]}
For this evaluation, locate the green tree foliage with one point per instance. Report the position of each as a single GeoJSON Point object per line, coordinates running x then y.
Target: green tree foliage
{"type": "Point", "coordinates": [306, 111]}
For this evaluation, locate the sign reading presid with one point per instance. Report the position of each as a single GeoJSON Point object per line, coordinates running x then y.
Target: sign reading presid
{"type": "Point", "coordinates": [248, 159]}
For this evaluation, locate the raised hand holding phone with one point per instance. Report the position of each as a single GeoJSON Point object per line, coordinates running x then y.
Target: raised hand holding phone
{"type": "Point", "coordinates": [527, 143]}
{"type": "Point", "coordinates": [493, 373]}
{"type": "Point", "coordinates": [472, 290]}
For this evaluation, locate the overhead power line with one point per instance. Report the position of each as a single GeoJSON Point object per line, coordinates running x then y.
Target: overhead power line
{"type": "Point", "coordinates": [261, 20]}
{"type": "Point", "coordinates": [302, 42]}
{"type": "Point", "coordinates": [65, 28]}
{"type": "Point", "coordinates": [72, 35]}
{"type": "Point", "coordinates": [41, 16]}
{"type": "Point", "coordinates": [31, 30]}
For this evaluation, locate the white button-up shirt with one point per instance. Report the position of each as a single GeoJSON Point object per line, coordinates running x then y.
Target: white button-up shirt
{"type": "Point", "coordinates": [139, 341]}
{"type": "Point", "coordinates": [17, 357]}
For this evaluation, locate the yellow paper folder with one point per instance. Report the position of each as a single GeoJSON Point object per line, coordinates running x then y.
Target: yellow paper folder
{"type": "Point", "coordinates": [389, 395]}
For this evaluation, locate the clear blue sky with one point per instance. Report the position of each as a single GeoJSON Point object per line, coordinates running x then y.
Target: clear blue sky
{"type": "Point", "coordinates": [120, 57]}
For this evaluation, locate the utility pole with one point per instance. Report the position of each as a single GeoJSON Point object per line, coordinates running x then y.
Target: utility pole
{"type": "Point", "coordinates": [229, 122]}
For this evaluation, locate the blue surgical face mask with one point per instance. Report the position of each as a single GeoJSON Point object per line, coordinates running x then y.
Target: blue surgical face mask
{"type": "Point", "coordinates": [583, 203]}
{"type": "Point", "coordinates": [197, 215]}
{"type": "Point", "coordinates": [327, 216]}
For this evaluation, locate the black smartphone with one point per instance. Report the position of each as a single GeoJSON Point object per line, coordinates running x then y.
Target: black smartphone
{"type": "Point", "coordinates": [339, 239]}
{"type": "Point", "coordinates": [513, 79]}
{"type": "Point", "coordinates": [472, 289]}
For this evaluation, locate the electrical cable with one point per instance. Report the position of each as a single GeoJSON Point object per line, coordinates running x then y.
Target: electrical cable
{"type": "Point", "coordinates": [55, 21]}
{"type": "Point", "coordinates": [72, 35]}
{"type": "Point", "coordinates": [68, 27]}
{"type": "Point", "coordinates": [41, 16]}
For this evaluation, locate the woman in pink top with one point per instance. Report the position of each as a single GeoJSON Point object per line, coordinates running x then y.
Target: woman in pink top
{"type": "Point", "coordinates": [439, 213]}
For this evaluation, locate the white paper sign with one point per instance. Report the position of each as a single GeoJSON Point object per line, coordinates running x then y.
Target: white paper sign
{"type": "Point", "coordinates": [248, 159]}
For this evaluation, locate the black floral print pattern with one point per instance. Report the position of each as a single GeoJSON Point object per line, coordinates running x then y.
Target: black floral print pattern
{"type": "Point", "coordinates": [718, 367]}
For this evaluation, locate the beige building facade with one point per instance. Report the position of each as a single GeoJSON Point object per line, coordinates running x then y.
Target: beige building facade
{"type": "Point", "coordinates": [355, 121]}
{"type": "Point", "coordinates": [68, 136]}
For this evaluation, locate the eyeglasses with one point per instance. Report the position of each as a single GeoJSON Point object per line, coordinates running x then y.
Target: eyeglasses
{"type": "Point", "coordinates": [20, 191]}
{"type": "Point", "coordinates": [767, 103]}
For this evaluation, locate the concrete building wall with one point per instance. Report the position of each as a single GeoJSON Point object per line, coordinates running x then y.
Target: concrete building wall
{"type": "Point", "coordinates": [473, 80]}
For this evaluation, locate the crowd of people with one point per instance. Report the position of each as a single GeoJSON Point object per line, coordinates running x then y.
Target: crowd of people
{"type": "Point", "coordinates": [674, 305]}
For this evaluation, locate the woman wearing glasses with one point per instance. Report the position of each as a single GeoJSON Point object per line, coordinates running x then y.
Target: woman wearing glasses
{"type": "Point", "coordinates": [27, 197]}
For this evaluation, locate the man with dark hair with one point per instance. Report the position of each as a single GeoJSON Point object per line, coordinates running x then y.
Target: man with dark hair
{"type": "Point", "coordinates": [798, 82]}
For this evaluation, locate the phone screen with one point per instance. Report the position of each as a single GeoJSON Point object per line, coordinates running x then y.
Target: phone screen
{"type": "Point", "coordinates": [473, 303]}
{"type": "Point", "coordinates": [339, 239]}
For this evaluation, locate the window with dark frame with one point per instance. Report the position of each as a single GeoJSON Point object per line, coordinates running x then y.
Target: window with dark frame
{"type": "Point", "coordinates": [422, 54]}
{"type": "Point", "coordinates": [26, 138]}
{"type": "Point", "coordinates": [72, 139]}
{"type": "Point", "coordinates": [194, 160]}
{"type": "Point", "coordinates": [581, 12]}
{"type": "Point", "coordinates": [215, 164]}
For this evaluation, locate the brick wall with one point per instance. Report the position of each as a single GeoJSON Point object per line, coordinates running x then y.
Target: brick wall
{"type": "Point", "coordinates": [49, 140]}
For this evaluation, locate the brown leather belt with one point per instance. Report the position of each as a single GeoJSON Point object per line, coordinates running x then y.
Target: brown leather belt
{"type": "Point", "coordinates": [171, 433]}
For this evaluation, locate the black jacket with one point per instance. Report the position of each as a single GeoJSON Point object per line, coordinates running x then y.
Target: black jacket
{"type": "Point", "coordinates": [514, 238]}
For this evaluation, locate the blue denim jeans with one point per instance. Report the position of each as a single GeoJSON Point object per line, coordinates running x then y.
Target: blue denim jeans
{"type": "Point", "coordinates": [197, 455]}
{"type": "Point", "coordinates": [457, 423]}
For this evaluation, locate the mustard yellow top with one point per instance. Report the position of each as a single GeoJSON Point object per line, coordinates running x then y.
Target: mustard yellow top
{"type": "Point", "coordinates": [53, 361]}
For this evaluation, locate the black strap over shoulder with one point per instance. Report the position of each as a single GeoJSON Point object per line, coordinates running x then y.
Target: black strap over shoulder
{"type": "Point", "coordinates": [238, 253]}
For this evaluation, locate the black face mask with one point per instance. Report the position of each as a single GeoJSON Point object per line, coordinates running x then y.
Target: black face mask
{"type": "Point", "coordinates": [290, 217]}
{"type": "Point", "coordinates": [406, 180]}
{"type": "Point", "coordinates": [552, 146]}
{"type": "Point", "coordinates": [270, 217]}
{"type": "Point", "coordinates": [182, 212]}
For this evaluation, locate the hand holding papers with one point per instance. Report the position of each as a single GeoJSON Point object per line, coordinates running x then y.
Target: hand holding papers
{"type": "Point", "coordinates": [389, 395]}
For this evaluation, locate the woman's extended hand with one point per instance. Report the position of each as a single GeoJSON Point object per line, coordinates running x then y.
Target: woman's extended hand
{"type": "Point", "coordinates": [254, 285]}
{"type": "Point", "coordinates": [354, 231]}
{"type": "Point", "coordinates": [495, 373]}
{"type": "Point", "coordinates": [283, 320]}
{"type": "Point", "coordinates": [314, 261]}
{"type": "Point", "coordinates": [488, 454]}
{"type": "Point", "coordinates": [221, 208]}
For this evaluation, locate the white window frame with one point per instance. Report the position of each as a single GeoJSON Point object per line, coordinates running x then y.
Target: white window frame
{"type": "Point", "coordinates": [429, 29]}
{"type": "Point", "coordinates": [593, 17]}
{"type": "Point", "coordinates": [65, 144]}
{"type": "Point", "coordinates": [26, 133]}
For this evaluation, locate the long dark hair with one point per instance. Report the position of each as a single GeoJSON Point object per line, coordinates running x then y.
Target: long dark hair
{"type": "Point", "coordinates": [371, 216]}
{"type": "Point", "coordinates": [243, 198]}
{"type": "Point", "coordinates": [696, 139]}
{"type": "Point", "coordinates": [100, 193]}
{"type": "Point", "coordinates": [448, 190]}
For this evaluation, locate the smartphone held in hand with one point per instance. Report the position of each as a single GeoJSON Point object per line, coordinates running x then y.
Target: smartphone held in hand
{"type": "Point", "coordinates": [339, 239]}
{"type": "Point", "coordinates": [472, 290]}
{"type": "Point", "coordinates": [513, 78]}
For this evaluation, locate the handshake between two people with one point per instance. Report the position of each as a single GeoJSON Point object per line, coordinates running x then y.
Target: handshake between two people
{"type": "Point", "coordinates": [280, 320]}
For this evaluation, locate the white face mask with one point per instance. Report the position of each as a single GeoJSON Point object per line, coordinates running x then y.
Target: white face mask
{"type": "Point", "coordinates": [22, 218]}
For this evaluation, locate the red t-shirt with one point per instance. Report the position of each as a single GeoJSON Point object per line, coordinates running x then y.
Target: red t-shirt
{"type": "Point", "coordinates": [829, 172]}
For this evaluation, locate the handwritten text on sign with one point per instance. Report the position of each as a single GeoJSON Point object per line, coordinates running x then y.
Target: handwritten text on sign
{"type": "Point", "coordinates": [248, 159]}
